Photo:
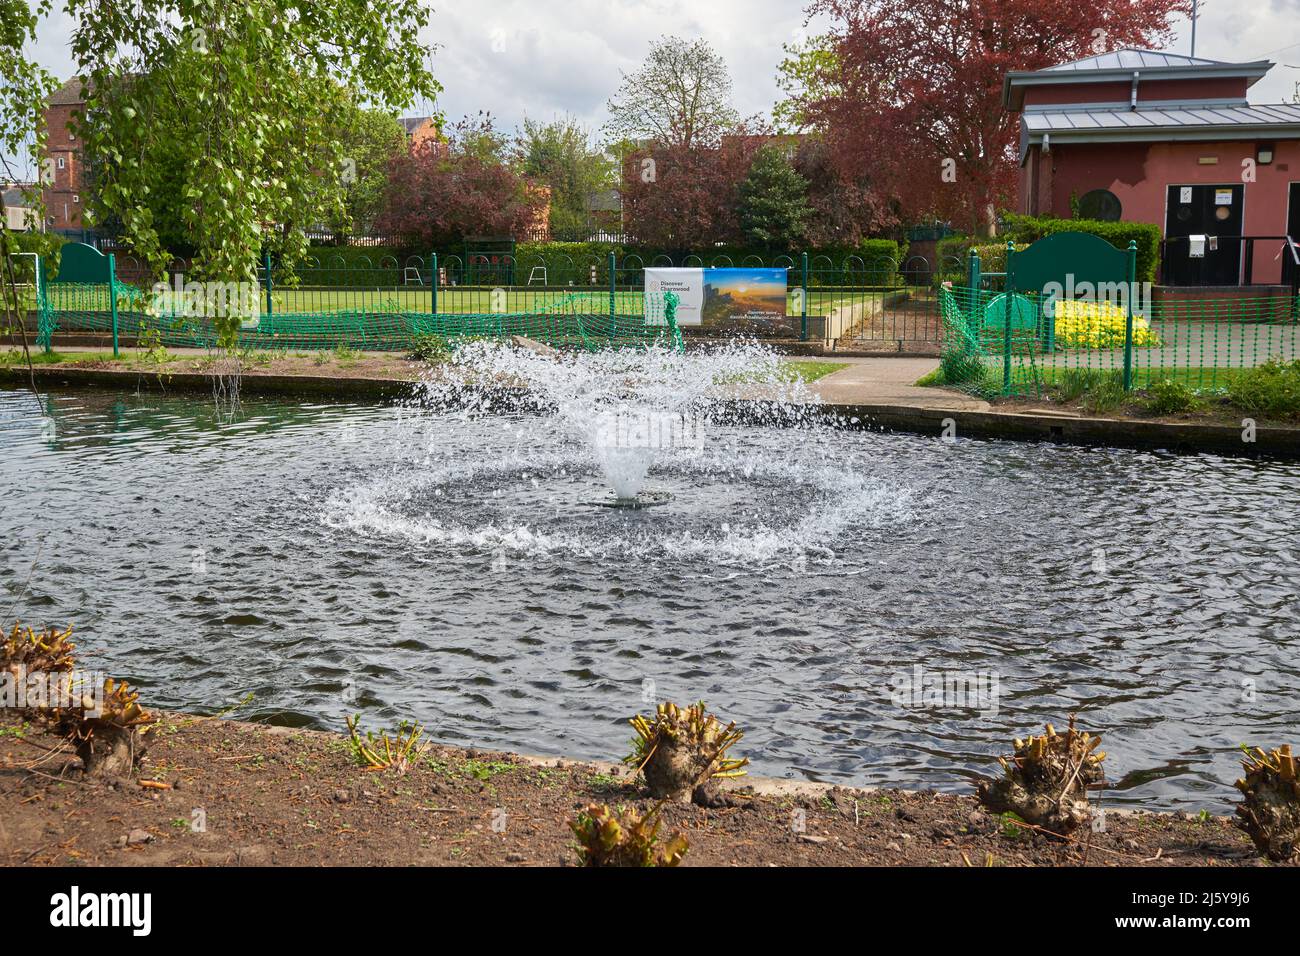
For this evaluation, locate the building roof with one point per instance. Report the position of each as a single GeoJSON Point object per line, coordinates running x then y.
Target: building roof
{"type": "Point", "coordinates": [412, 123]}
{"type": "Point", "coordinates": [14, 195]}
{"type": "Point", "coordinates": [1131, 58]}
{"type": "Point", "coordinates": [1142, 125]}
{"type": "Point", "coordinates": [1121, 65]}
{"type": "Point", "coordinates": [71, 93]}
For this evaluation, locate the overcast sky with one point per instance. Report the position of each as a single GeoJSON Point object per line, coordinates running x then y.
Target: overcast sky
{"type": "Point", "coordinates": [544, 58]}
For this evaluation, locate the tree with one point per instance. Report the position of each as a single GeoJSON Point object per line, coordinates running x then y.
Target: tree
{"type": "Point", "coordinates": [844, 204]}
{"type": "Point", "coordinates": [439, 193]}
{"type": "Point", "coordinates": [806, 75]}
{"type": "Point", "coordinates": [560, 155]}
{"type": "Point", "coordinates": [478, 136]}
{"type": "Point", "coordinates": [679, 98]}
{"type": "Point", "coordinates": [23, 88]}
{"type": "Point", "coordinates": [234, 107]}
{"type": "Point", "coordinates": [370, 144]}
{"type": "Point", "coordinates": [773, 200]}
{"type": "Point", "coordinates": [679, 198]}
{"type": "Point", "coordinates": [919, 84]}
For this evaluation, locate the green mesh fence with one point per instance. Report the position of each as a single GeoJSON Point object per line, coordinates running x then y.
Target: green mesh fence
{"type": "Point", "coordinates": [585, 319]}
{"type": "Point", "coordinates": [1022, 345]}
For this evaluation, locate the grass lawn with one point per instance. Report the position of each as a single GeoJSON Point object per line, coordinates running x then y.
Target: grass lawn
{"type": "Point", "coordinates": [15, 357]}
{"type": "Point", "coordinates": [1195, 377]}
{"type": "Point", "coordinates": [811, 371]}
{"type": "Point", "coordinates": [477, 300]}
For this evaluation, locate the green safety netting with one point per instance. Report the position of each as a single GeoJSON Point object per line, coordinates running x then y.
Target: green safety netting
{"type": "Point", "coordinates": [1023, 344]}
{"type": "Point", "coordinates": [585, 319]}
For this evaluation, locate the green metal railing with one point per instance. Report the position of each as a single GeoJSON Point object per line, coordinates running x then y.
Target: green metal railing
{"type": "Point", "coordinates": [1021, 344]}
{"type": "Point", "coordinates": [827, 297]}
{"type": "Point", "coordinates": [581, 319]}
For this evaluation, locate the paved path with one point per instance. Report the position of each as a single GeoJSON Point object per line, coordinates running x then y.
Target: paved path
{"type": "Point", "coordinates": [888, 381]}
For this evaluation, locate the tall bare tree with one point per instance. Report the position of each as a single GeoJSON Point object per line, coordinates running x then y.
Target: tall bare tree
{"type": "Point", "coordinates": [680, 97]}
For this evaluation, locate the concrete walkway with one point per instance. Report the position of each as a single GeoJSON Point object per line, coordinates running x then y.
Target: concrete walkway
{"type": "Point", "coordinates": [888, 381]}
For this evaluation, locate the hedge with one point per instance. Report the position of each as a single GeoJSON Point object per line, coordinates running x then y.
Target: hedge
{"type": "Point", "coordinates": [1024, 230]}
{"type": "Point", "coordinates": [569, 263]}
{"type": "Point", "coordinates": [1028, 229]}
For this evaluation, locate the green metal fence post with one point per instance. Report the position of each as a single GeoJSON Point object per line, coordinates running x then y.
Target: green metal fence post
{"type": "Point", "coordinates": [112, 297]}
{"type": "Point", "coordinates": [44, 316]}
{"type": "Point", "coordinates": [973, 288]}
{"type": "Point", "coordinates": [433, 281]}
{"type": "Point", "coordinates": [1007, 293]}
{"type": "Point", "coordinates": [803, 310]}
{"type": "Point", "coordinates": [266, 264]}
{"type": "Point", "coordinates": [612, 281]}
{"type": "Point", "coordinates": [1128, 317]}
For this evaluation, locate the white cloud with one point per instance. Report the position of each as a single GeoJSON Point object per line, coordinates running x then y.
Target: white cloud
{"type": "Point", "coordinates": [552, 58]}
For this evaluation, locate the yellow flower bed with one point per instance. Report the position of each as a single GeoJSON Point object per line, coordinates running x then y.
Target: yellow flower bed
{"type": "Point", "coordinates": [1098, 325]}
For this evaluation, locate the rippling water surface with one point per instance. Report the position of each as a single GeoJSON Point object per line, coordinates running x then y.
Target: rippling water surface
{"type": "Point", "coordinates": [453, 569]}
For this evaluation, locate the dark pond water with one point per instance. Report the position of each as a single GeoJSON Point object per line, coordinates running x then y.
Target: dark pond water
{"type": "Point", "coordinates": [336, 559]}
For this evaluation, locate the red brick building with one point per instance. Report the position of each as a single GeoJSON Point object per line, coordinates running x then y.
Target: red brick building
{"type": "Point", "coordinates": [62, 177]}
{"type": "Point", "coordinates": [1145, 136]}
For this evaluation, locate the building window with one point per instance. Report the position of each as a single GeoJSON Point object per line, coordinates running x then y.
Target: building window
{"type": "Point", "coordinates": [1101, 204]}
{"type": "Point", "coordinates": [76, 198]}
{"type": "Point", "coordinates": [61, 163]}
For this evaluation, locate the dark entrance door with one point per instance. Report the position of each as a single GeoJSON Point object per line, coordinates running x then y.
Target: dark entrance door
{"type": "Point", "coordinates": [1292, 230]}
{"type": "Point", "coordinates": [1211, 211]}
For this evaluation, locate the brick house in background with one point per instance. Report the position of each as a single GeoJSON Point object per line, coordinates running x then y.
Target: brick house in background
{"type": "Point", "coordinates": [1154, 137]}
{"type": "Point", "coordinates": [62, 176]}
{"type": "Point", "coordinates": [19, 214]}
{"type": "Point", "coordinates": [422, 129]}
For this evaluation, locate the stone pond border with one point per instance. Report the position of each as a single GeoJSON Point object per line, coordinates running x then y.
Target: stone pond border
{"type": "Point", "coordinates": [1272, 441]}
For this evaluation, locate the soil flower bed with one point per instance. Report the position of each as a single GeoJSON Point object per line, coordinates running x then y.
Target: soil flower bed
{"type": "Point", "coordinates": [219, 792]}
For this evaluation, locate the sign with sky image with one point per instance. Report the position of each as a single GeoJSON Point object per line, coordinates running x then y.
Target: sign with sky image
{"type": "Point", "coordinates": [716, 296]}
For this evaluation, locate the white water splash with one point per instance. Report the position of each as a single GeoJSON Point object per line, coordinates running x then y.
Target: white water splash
{"type": "Point", "coordinates": [476, 484]}
{"type": "Point", "coordinates": [628, 405]}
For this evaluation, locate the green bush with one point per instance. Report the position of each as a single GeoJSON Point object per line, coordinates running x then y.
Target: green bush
{"type": "Point", "coordinates": [570, 263]}
{"type": "Point", "coordinates": [1168, 397]}
{"type": "Point", "coordinates": [1271, 389]}
{"type": "Point", "coordinates": [1106, 394]}
{"type": "Point", "coordinates": [967, 372]}
{"type": "Point", "coordinates": [353, 267]}
{"type": "Point", "coordinates": [871, 250]}
{"type": "Point", "coordinates": [429, 348]}
{"type": "Point", "coordinates": [1076, 383]}
{"type": "Point", "coordinates": [951, 256]}
{"type": "Point", "coordinates": [1028, 229]}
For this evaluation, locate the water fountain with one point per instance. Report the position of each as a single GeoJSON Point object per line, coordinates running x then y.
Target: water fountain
{"type": "Point", "coordinates": [630, 407]}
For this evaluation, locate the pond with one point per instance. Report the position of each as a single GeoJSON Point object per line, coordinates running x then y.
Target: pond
{"type": "Point", "coordinates": [870, 608]}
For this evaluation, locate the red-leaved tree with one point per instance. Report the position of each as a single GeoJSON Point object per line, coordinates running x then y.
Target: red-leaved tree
{"type": "Point", "coordinates": [846, 205]}
{"type": "Point", "coordinates": [915, 84]}
{"type": "Point", "coordinates": [437, 196]}
{"type": "Point", "coordinates": [680, 197]}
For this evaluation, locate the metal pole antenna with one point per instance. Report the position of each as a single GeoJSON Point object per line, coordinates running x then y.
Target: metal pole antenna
{"type": "Point", "coordinates": [1195, 5]}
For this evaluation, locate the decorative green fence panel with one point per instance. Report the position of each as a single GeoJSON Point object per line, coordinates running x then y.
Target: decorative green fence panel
{"type": "Point", "coordinates": [1073, 345]}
